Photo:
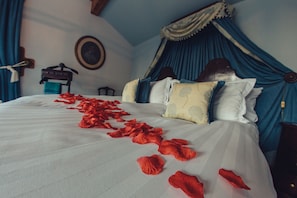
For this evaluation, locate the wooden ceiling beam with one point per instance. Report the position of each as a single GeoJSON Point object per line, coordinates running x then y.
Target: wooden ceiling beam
{"type": "Point", "coordinates": [98, 6]}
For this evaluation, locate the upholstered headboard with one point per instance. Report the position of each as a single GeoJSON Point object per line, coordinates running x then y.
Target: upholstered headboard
{"type": "Point", "coordinates": [216, 69]}
{"type": "Point", "coordinates": [166, 72]}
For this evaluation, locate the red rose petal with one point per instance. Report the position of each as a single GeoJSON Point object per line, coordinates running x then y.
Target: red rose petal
{"type": "Point", "coordinates": [151, 165]}
{"type": "Point", "coordinates": [187, 183]}
{"type": "Point", "coordinates": [180, 152]}
{"type": "Point", "coordinates": [233, 179]}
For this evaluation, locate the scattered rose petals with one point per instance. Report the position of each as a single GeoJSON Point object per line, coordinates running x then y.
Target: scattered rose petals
{"type": "Point", "coordinates": [233, 179]}
{"type": "Point", "coordinates": [180, 141]}
{"type": "Point", "coordinates": [145, 138]}
{"type": "Point", "coordinates": [187, 183]}
{"type": "Point", "coordinates": [179, 151]}
{"type": "Point", "coordinates": [139, 132]}
{"type": "Point", "coordinates": [68, 98]}
{"type": "Point", "coordinates": [96, 111]}
{"type": "Point", "coordinates": [151, 165]}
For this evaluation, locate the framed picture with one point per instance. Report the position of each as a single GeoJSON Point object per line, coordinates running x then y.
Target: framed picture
{"type": "Point", "coordinates": [90, 52]}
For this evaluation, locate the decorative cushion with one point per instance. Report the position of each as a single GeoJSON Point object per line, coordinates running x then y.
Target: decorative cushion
{"type": "Point", "coordinates": [230, 101]}
{"type": "Point", "coordinates": [160, 90]}
{"type": "Point", "coordinates": [143, 90]}
{"type": "Point", "coordinates": [212, 100]}
{"type": "Point", "coordinates": [251, 100]}
{"type": "Point", "coordinates": [190, 101]}
{"type": "Point", "coordinates": [186, 81]}
{"type": "Point", "coordinates": [129, 91]}
{"type": "Point", "coordinates": [52, 88]}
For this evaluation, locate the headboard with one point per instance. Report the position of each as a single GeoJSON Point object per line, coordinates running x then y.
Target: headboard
{"type": "Point", "coordinates": [216, 69]}
{"type": "Point", "coordinates": [166, 72]}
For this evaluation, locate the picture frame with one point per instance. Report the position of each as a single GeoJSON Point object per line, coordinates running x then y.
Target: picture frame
{"type": "Point", "coordinates": [90, 52]}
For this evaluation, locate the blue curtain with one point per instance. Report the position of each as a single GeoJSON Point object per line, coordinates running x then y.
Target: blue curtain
{"type": "Point", "coordinates": [10, 27]}
{"type": "Point", "coordinates": [189, 57]}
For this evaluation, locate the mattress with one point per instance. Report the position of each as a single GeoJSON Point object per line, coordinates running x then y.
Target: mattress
{"type": "Point", "coordinates": [45, 154]}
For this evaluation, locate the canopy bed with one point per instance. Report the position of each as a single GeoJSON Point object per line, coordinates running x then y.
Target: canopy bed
{"type": "Point", "coordinates": [190, 128]}
{"type": "Point", "coordinates": [189, 43]}
{"type": "Point", "coordinates": [70, 145]}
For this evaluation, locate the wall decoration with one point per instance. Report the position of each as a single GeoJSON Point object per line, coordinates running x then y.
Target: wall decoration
{"type": "Point", "coordinates": [90, 52]}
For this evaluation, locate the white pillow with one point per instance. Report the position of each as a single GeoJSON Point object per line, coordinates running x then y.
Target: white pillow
{"type": "Point", "coordinates": [172, 82]}
{"type": "Point", "coordinates": [230, 101]}
{"type": "Point", "coordinates": [129, 91]}
{"type": "Point", "coordinates": [160, 90]}
{"type": "Point", "coordinates": [251, 100]}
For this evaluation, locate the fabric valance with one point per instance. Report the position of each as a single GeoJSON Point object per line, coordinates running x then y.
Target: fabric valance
{"type": "Point", "coordinates": [192, 24]}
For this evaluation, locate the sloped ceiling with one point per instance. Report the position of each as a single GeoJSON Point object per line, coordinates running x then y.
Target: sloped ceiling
{"type": "Point", "coordinates": [140, 20]}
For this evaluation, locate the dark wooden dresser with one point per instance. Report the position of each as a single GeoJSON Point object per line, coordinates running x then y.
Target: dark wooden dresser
{"type": "Point", "coordinates": [285, 168]}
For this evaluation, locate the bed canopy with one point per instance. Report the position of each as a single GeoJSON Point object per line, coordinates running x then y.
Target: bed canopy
{"type": "Point", "coordinates": [188, 44]}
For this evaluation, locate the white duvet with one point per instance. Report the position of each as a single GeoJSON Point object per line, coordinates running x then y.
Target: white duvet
{"type": "Point", "coordinates": [45, 154]}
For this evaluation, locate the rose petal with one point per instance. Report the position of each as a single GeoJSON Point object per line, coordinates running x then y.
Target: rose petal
{"type": "Point", "coordinates": [151, 165]}
{"type": "Point", "coordinates": [187, 183]}
{"type": "Point", "coordinates": [180, 152]}
{"type": "Point", "coordinates": [233, 179]}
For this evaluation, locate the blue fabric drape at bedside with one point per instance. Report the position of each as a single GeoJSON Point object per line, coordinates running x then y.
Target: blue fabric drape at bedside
{"type": "Point", "coordinates": [270, 76]}
{"type": "Point", "coordinates": [10, 28]}
{"type": "Point", "coordinates": [189, 57]}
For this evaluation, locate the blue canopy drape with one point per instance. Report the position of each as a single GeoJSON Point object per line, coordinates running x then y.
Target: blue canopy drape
{"type": "Point", "coordinates": [10, 28]}
{"type": "Point", "coordinates": [189, 57]}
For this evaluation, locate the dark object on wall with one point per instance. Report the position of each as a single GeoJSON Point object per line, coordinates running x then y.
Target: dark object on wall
{"type": "Point", "coordinates": [30, 62]}
{"type": "Point", "coordinates": [290, 77]}
{"type": "Point", "coordinates": [97, 6]}
{"type": "Point", "coordinates": [50, 73]}
{"type": "Point", "coordinates": [90, 52]}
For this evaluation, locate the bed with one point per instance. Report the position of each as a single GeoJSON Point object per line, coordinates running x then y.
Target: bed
{"type": "Point", "coordinates": [47, 150]}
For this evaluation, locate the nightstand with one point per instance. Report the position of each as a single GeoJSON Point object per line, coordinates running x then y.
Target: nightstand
{"type": "Point", "coordinates": [285, 169]}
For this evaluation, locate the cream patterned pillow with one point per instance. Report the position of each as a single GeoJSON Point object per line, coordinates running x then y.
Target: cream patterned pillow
{"type": "Point", "coordinates": [129, 92]}
{"type": "Point", "coordinates": [190, 101]}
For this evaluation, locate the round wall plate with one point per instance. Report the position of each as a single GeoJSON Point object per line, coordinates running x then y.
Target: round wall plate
{"type": "Point", "coordinates": [90, 52]}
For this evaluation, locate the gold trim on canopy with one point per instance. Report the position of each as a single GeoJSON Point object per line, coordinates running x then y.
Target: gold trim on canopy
{"type": "Point", "coordinates": [192, 24]}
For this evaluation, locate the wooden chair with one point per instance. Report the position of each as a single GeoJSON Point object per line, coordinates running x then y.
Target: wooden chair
{"type": "Point", "coordinates": [106, 91]}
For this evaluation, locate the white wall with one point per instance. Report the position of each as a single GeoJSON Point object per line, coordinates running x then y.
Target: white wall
{"type": "Point", "coordinates": [50, 30]}
{"type": "Point", "coordinates": [270, 24]}
{"type": "Point", "coordinates": [143, 55]}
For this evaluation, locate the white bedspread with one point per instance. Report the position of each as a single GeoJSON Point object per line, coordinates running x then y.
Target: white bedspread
{"type": "Point", "coordinates": [44, 154]}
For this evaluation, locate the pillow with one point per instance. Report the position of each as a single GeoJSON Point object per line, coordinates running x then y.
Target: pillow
{"type": "Point", "coordinates": [230, 100]}
{"type": "Point", "coordinates": [52, 88]}
{"type": "Point", "coordinates": [251, 100]}
{"type": "Point", "coordinates": [172, 82]}
{"type": "Point", "coordinates": [129, 91]}
{"type": "Point", "coordinates": [183, 80]}
{"type": "Point", "coordinates": [160, 91]}
{"type": "Point", "coordinates": [213, 99]}
{"type": "Point", "coordinates": [143, 90]}
{"type": "Point", "coordinates": [190, 101]}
